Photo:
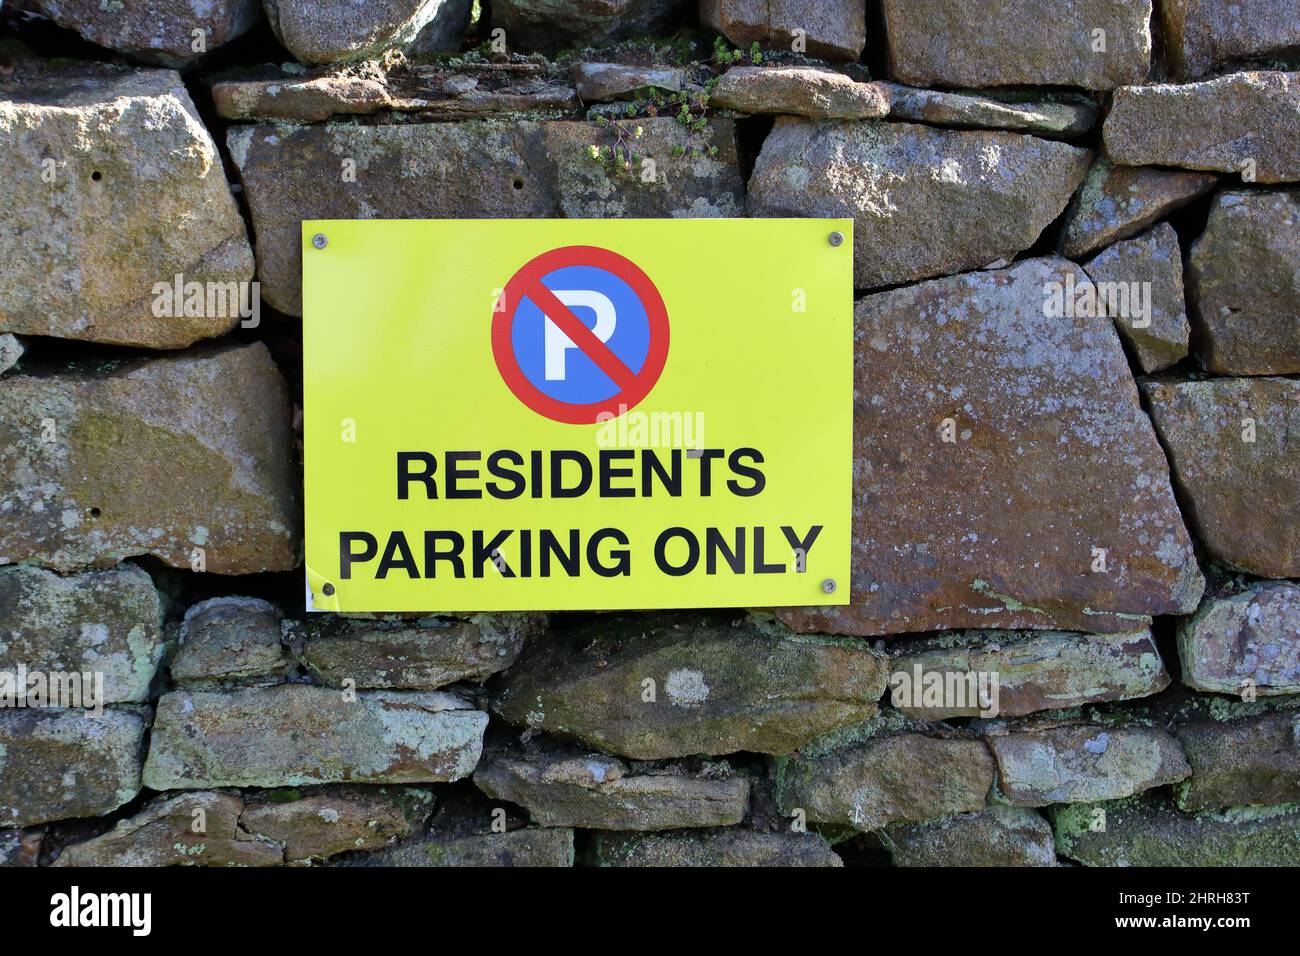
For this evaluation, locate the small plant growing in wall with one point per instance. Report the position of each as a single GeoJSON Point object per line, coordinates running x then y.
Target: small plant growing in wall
{"type": "Point", "coordinates": [622, 157]}
{"type": "Point", "coordinates": [692, 113]}
{"type": "Point", "coordinates": [724, 55]}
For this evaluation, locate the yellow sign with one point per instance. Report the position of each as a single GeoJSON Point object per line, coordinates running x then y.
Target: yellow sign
{"type": "Point", "coordinates": [577, 414]}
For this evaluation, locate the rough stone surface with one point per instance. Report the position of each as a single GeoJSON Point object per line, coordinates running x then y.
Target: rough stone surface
{"type": "Point", "coordinates": [310, 735]}
{"type": "Point", "coordinates": [219, 829]}
{"type": "Point", "coordinates": [514, 848]}
{"type": "Point", "coordinates": [429, 91]}
{"type": "Point", "coordinates": [1036, 670]}
{"type": "Point", "coordinates": [106, 623]}
{"type": "Point", "coordinates": [998, 835]}
{"type": "Point", "coordinates": [427, 171]}
{"type": "Point", "coordinates": [155, 31]}
{"type": "Point", "coordinates": [325, 33]}
{"type": "Point", "coordinates": [333, 820]}
{"type": "Point", "coordinates": [1077, 763]}
{"type": "Point", "coordinates": [717, 688]}
{"type": "Point", "coordinates": [11, 350]}
{"type": "Point", "coordinates": [1244, 279]}
{"type": "Point", "coordinates": [1242, 123]}
{"type": "Point", "coordinates": [58, 764]}
{"type": "Point", "coordinates": [138, 461]}
{"type": "Point", "coordinates": [548, 26]}
{"type": "Point", "coordinates": [1052, 458]}
{"type": "Point", "coordinates": [1140, 285]}
{"type": "Point", "coordinates": [1240, 495]}
{"type": "Point", "coordinates": [445, 33]}
{"type": "Point", "coordinates": [599, 82]}
{"type": "Point", "coordinates": [694, 186]}
{"type": "Point", "coordinates": [1201, 34]}
{"type": "Point", "coordinates": [230, 640]}
{"type": "Point", "coordinates": [827, 29]}
{"type": "Point", "coordinates": [720, 847]}
{"type": "Point", "coordinates": [1151, 832]}
{"type": "Point", "coordinates": [887, 778]}
{"type": "Point", "coordinates": [1255, 760]}
{"type": "Point", "coordinates": [603, 793]}
{"type": "Point", "coordinates": [20, 847]}
{"type": "Point", "coordinates": [799, 91]}
{"type": "Point", "coordinates": [1117, 202]}
{"type": "Point", "coordinates": [307, 99]}
{"type": "Point", "coordinates": [995, 192]}
{"type": "Point", "coordinates": [1010, 42]}
{"type": "Point", "coordinates": [522, 170]}
{"type": "Point", "coordinates": [164, 834]}
{"type": "Point", "coordinates": [138, 197]}
{"type": "Point", "coordinates": [422, 654]}
{"type": "Point", "coordinates": [1248, 640]}
{"type": "Point", "coordinates": [974, 111]}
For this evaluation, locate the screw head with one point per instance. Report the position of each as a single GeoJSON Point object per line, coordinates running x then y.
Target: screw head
{"type": "Point", "coordinates": [327, 589]}
{"type": "Point", "coordinates": [829, 585]}
{"type": "Point", "coordinates": [319, 240]}
{"type": "Point", "coordinates": [836, 238]}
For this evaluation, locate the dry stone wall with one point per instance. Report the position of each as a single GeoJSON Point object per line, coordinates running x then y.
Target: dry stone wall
{"type": "Point", "coordinates": [1074, 633]}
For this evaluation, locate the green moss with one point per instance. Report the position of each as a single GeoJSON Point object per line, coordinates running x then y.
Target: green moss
{"type": "Point", "coordinates": [887, 721]}
{"type": "Point", "coordinates": [1226, 708]}
{"type": "Point", "coordinates": [289, 795]}
{"type": "Point", "coordinates": [1118, 615]}
{"type": "Point", "coordinates": [1248, 814]}
{"type": "Point", "coordinates": [436, 854]}
{"type": "Point", "coordinates": [834, 833]}
{"type": "Point", "coordinates": [415, 804]}
{"type": "Point", "coordinates": [1141, 831]}
{"type": "Point", "coordinates": [1070, 821]}
{"type": "Point", "coordinates": [980, 586]}
{"type": "Point", "coordinates": [779, 766]}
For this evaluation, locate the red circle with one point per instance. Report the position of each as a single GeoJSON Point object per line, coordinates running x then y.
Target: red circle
{"type": "Point", "coordinates": [508, 364]}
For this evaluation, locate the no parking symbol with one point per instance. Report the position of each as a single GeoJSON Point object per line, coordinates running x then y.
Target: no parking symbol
{"type": "Point", "coordinates": [583, 334]}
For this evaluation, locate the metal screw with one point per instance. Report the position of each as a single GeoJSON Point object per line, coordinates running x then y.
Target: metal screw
{"type": "Point", "coordinates": [327, 589]}
{"type": "Point", "coordinates": [319, 240]}
{"type": "Point", "coordinates": [836, 238]}
{"type": "Point", "coordinates": [829, 585]}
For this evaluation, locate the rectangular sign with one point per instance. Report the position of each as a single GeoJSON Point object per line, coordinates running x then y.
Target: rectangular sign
{"type": "Point", "coordinates": [577, 414]}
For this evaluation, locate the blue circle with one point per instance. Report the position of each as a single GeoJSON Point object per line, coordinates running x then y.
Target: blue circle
{"type": "Point", "coordinates": [583, 383]}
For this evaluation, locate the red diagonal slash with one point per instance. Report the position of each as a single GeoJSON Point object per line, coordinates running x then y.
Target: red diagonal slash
{"type": "Point", "coordinates": [580, 335]}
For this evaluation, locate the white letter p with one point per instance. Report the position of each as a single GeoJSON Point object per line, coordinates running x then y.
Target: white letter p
{"type": "Point", "coordinates": [557, 343]}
